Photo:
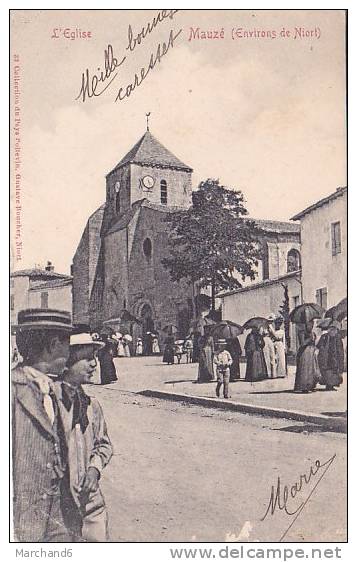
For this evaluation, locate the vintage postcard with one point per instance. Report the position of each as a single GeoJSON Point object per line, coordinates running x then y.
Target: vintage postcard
{"type": "Point", "coordinates": [178, 285]}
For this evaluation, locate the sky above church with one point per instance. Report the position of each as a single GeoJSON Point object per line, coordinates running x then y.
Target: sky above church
{"type": "Point", "coordinates": [256, 99]}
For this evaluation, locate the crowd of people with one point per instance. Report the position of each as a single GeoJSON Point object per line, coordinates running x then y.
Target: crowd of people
{"type": "Point", "coordinates": [320, 358]}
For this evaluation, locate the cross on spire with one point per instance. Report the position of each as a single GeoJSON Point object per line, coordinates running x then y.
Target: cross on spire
{"type": "Point", "coordinates": [147, 120]}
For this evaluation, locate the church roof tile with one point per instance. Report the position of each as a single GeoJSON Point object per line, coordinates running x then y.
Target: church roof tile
{"type": "Point", "coordinates": [148, 151]}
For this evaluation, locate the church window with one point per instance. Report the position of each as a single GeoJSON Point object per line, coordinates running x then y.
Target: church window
{"type": "Point", "coordinates": [117, 202]}
{"type": "Point", "coordinates": [336, 238]}
{"type": "Point", "coordinates": [293, 260]}
{"type": "Point", "coordinates": [44, 300]}
{"type": "Point", "coordinates": [147, 248]}
{"type": "Point", "coordinates": [321, 297]}
{"type": "Point", "coordinates": [163, 192]}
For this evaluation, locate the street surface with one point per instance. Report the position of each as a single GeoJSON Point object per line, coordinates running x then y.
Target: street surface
{"type": "Point", "coordinates": [188, 473]}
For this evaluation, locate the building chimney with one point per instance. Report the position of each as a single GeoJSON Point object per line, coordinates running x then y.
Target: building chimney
{"type": "Point", "coordinates": [49, 266]}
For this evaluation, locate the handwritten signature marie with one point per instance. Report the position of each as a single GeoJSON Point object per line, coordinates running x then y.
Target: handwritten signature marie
{"type": "Point", "coordinates": [282, 497]}
{"type": "Point", "coordinates": [95, 84]}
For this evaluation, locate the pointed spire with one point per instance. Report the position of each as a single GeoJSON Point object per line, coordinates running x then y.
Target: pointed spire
{"type": "Point", "coordinates": [147, 121]}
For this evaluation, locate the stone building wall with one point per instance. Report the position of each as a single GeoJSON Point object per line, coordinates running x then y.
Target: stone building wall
{"type": "Point", "coordinates": [84, 267]}
{"type": "Point", "coordinates": [320, 268]}
{"type": "Point", "coordinates": [261, 300]}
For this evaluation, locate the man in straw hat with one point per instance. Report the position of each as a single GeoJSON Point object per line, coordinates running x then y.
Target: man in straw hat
{"type": "Point", "coordinates": [89, 447]}
{"type": "Point", "coordinates": [42, 338]}
{"type": "Point", "coordinates": [223, 360]}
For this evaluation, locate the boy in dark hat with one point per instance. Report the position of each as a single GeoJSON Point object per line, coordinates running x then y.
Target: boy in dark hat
{"type": "Point", "coordinates": [89, 447]}
{"type": "Point", "coordinates": [42, 338]}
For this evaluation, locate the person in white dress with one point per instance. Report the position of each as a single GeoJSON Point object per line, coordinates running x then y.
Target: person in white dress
{"type": "Point", "coordinates": [269, 349]}
{"type": "Point", "coordinates": [155, 345]}
{"type": "Point", "coordinates": [121, 350]}
{"type": "Point", "coordinates": [139, 347]}
{"type": "Point", "coordinates": [126, 339]}
{"type": "Point", "coordinates": [280, 347]}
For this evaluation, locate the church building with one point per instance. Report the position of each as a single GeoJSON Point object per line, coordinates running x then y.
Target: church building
{"type": "Point", "coordinates": [118, 277]}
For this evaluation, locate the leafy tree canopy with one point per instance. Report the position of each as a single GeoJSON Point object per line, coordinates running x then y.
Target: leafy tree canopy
{"type": "Point", "coordinates": [213, 240]}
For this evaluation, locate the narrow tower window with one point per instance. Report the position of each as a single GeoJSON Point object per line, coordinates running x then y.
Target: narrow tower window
{"type": "Point", "coordinates": [163, 192]}
{"type": "Point", "coordinates": [147, 248]}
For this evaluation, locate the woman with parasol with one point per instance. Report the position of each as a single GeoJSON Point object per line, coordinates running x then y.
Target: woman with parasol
{"type": "Point", "coordinates": [307, 369]}
{"type": "Point", "coordinates": [105, 355]}
{"type": "Point", "coordinates": [254, 344]}
{"type": "Point", "coordinates": [169, 351]}
{"type": "Point", "coordinates": [205, 362]}
{"type": "Point", "coordinates": [331, 354]}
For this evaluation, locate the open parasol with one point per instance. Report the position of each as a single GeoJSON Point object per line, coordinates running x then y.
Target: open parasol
{"type": "Point", "coordinates": [306, 312]}
{"type": "Point", "coordinates": [256, 322]}
{"type": "Point", "coordinates": [225, 330]}
{"type": "Point", "coordinates": [338, 312]}
{"type": "Point", "coordinates": [170, 329]}
{"type": "Point", "coordinates": [127, 337]}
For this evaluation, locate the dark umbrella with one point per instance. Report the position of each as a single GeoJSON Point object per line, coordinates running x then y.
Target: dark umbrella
{"type": "Point", "coordinates": [198, 326]}
{"type": "Point", "coordinates": [338, 312]}
{"type": "Point", "coordinates": [306, 312]}
{"type": "Point", "coordinates": [256, 322]}
{"type": "Point", "coordinates": [107, 331]}
{"type": "Point", "coordinates": [170, 329]}
{"type": "Point", "coordinates": [126, 316]}
{"type": "Point", "coordinates": [225, 330]}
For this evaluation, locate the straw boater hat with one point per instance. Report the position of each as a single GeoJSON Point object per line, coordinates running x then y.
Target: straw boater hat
{"type": "Point", "coordinates": [85, 339]}
{"type": "Point", "coordinates": [43, 319]}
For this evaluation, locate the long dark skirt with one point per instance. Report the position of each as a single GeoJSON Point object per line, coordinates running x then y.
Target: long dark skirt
{"type": "Point", "coordinates": [168, 356]}
{"type": "Point", "coordinates": [307, 369]}
{"type": "Point", "coordinates": [330, 378]}
{"type": "Point", "coordinates": [205, 365]}
{"type": "Point", "coordinates": [107, 368]}
{"type": "Point", "coordinates": [256, 367]}
{"type": "Point", "coordinates": [234, 370]}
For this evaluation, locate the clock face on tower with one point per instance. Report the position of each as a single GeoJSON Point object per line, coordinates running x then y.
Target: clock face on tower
{"type": "Point", "coordinates": [148, 182]}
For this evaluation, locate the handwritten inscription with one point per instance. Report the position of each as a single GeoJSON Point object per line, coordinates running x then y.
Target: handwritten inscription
{"type": "Point", "coordinates": [96, 83]}
{"type": "Point", "coordinates": [133, 41]}
{"type": "Point", "coordinates": [280, 497]}
{"type": "Point", "coordinates": [91, 83]}
{"type": "Point", "coordinates": [155, 59]}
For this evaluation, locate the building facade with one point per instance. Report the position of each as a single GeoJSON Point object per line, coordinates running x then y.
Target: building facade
{"type": "Point", "coordinates": [324, 249]}
{"type": "Point", "coordinates": [129, 238]}
{"type": "Point", "coordinates": [39, 288]}
{"type": "Point", "coordinates": [277, 282]}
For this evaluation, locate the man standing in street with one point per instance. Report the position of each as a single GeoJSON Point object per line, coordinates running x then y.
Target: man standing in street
{"type": "Point", "coordinates": [38, 446]}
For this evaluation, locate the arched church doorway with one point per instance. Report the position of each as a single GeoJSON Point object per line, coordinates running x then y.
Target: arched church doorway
{"type": "Point", "coordinates": [148, 325]}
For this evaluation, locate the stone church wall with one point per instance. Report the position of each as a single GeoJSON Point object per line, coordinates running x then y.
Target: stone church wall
{"type": "Point", "coordinates": [149, 281]}
{"type": "Point", "coordinates": [84, 267]}
{"type": "Point", "coordinates": [80, 272]}
{"type": "Point", "coordinates": [116, 274]}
